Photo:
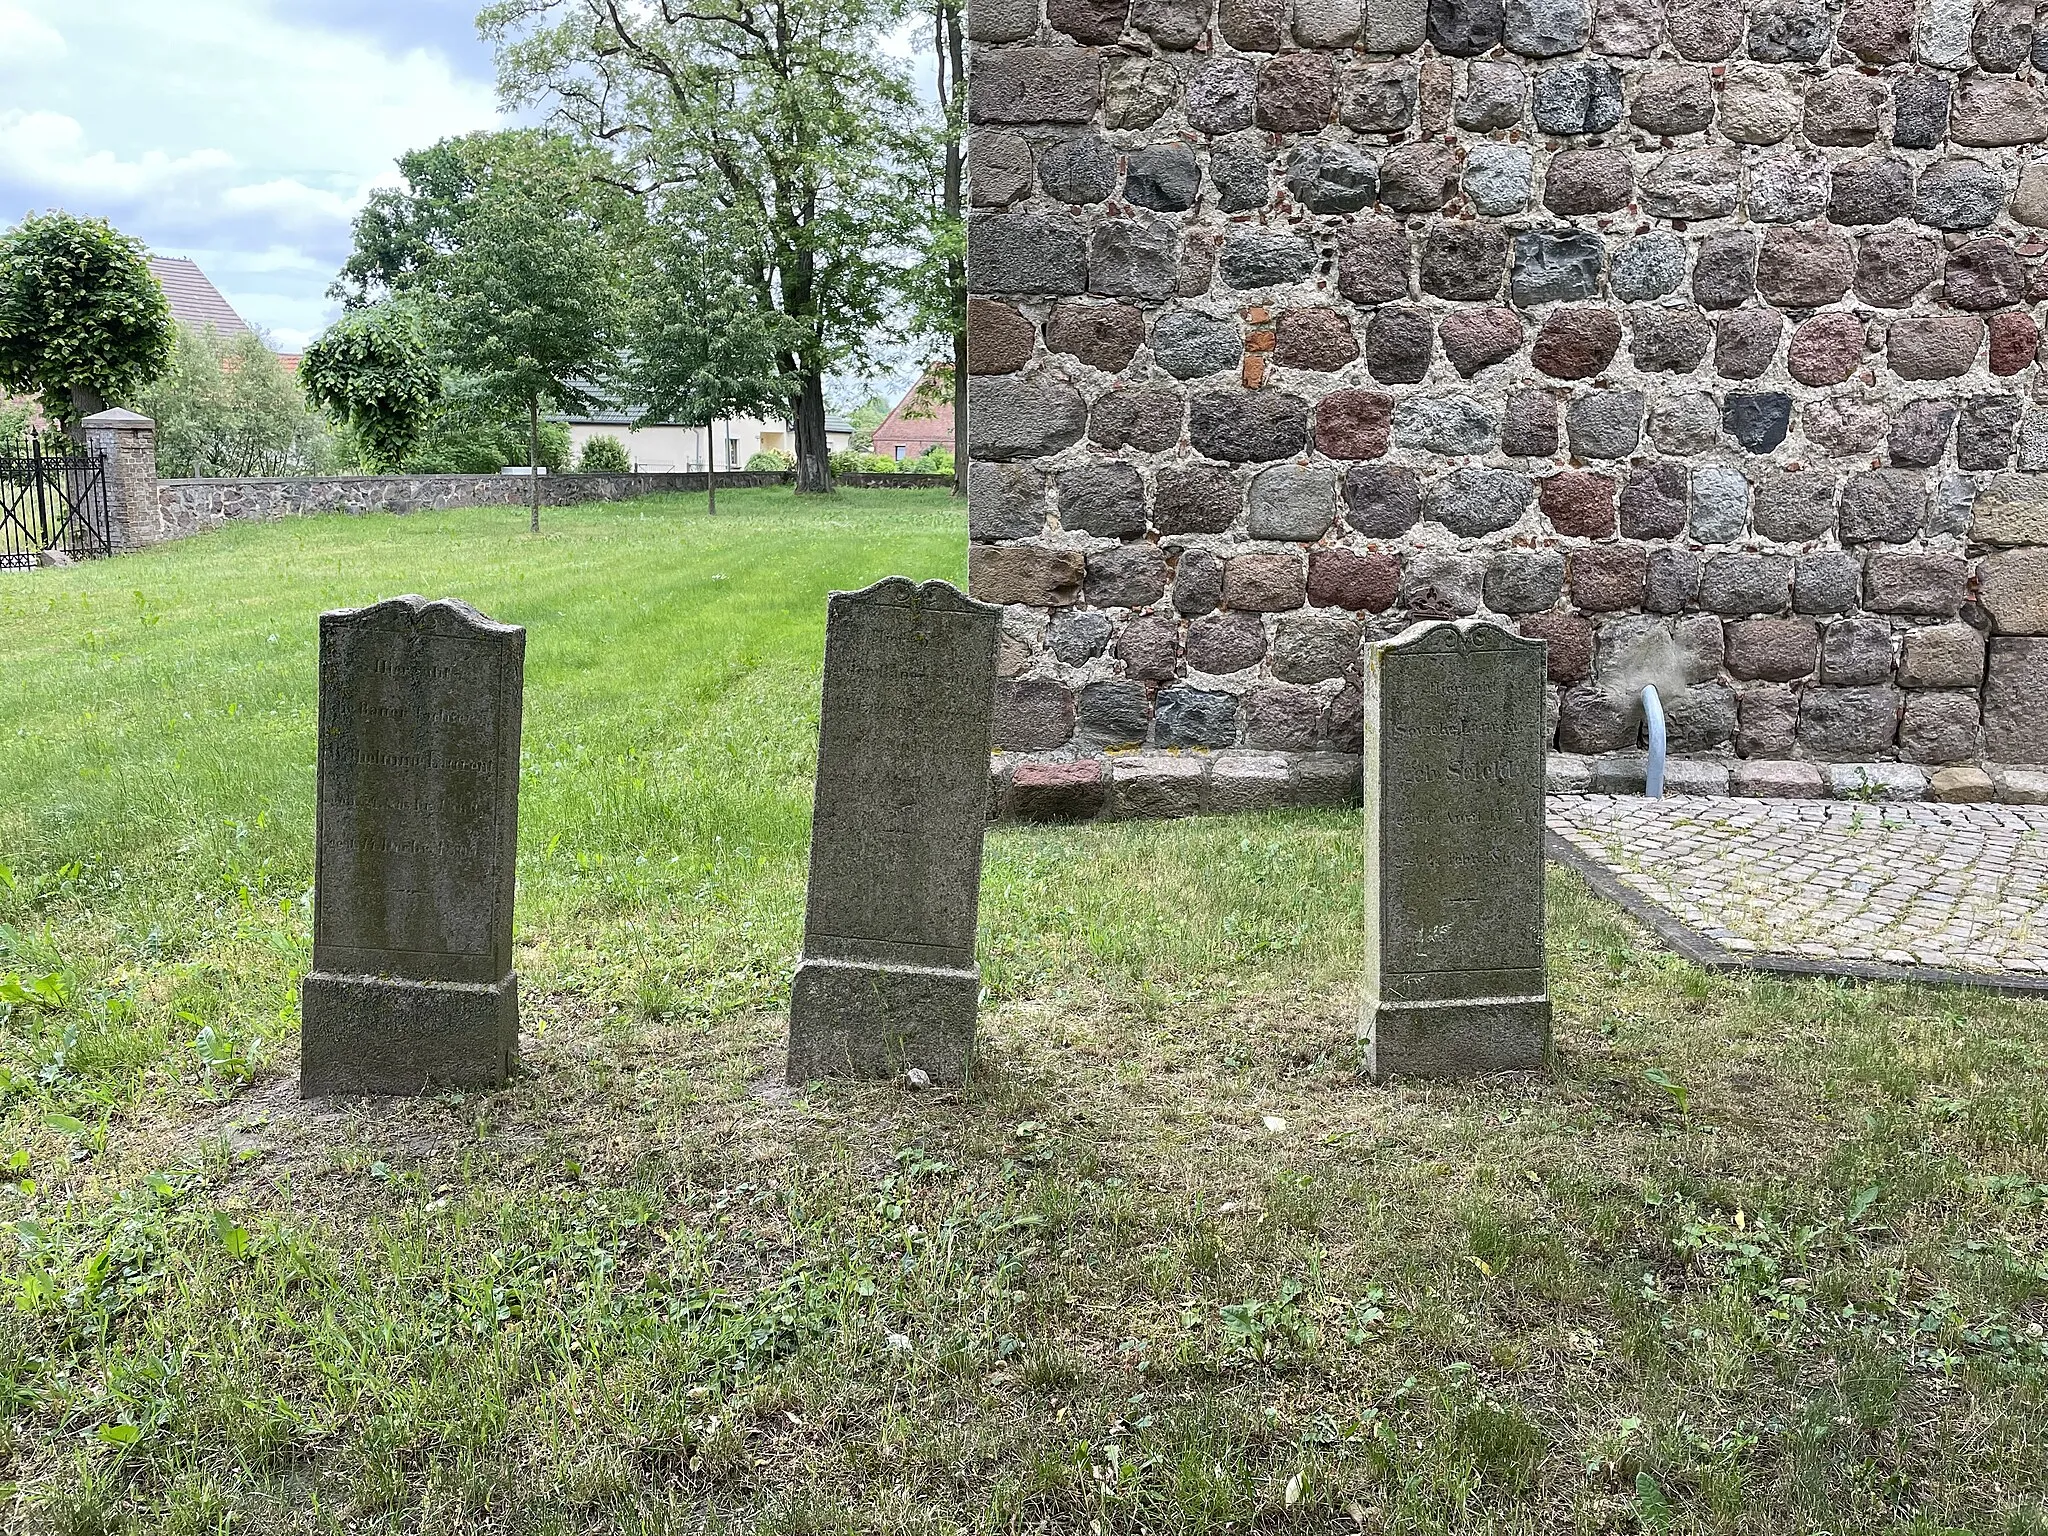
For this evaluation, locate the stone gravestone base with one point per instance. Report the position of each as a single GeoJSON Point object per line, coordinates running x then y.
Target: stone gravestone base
{"type": "Point", "coordinates": [1454, 900]}
{"type": "Point", "coordinates": [888, 982]}
{"type": "Point", "coordinates": [412, 983]}
{"type": "Point", "coordinates": [366, 1034]}
{"type": "Point", "coordinates": [849, 1019]}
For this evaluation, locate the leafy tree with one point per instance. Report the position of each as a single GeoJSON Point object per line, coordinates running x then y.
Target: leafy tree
{"type": "Point", "coordinates": [82, 318]}
{"type": "Point", "coordinates": [404, 233]}
{"type": "Point", "coordinates": [605, 456]}
{"type": "Point", "coordinates": [698, 346]}
{"type": "Point", "coordinates": [228, 407]}
{"type": "Point", "coordinates": [526, 298]}
{"type": "Point", "coordinates": [372, 371]}
{"type": "Point", "coordinates": [789, 115]}
{"type": "Point", "coordinates": [866, 419]}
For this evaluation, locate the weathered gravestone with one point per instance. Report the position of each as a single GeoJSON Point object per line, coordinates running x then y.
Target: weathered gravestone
{"type": "Point", "coordinates": [412, 980]}
{"type": "Point", "coordinates": [888, 982]}
{"type": "Point", "coordinates": [1454, 902]}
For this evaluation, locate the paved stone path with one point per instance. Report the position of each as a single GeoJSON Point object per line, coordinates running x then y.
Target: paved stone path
{"type": "Point", "coordinates": [1961, 887]}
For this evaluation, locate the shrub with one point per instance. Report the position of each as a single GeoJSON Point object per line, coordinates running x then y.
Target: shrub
{"type": "Point", "coordinates": [605, 456]}
{"type": "Point", "coordinates": [854, 462]}
{"type": "Point", "coordinates": [771, 460]}
{"type": "Point", "coordinates": [228, 408]}
{"type": "Point", "coordinates": [933, 461]}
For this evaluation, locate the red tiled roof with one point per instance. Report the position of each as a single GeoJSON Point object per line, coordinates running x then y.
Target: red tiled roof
{"type": "Point", "coordinates": [918, 422]}
{"type": "Point", "coordinates": [194, 299]}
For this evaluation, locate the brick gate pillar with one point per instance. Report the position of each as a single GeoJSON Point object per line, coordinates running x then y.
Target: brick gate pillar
{"type": "Point", "coordinates": [127, 443]}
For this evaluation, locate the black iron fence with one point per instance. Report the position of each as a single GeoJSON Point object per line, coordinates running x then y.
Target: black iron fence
{"type": "Point", "coordinates": [53, 497]}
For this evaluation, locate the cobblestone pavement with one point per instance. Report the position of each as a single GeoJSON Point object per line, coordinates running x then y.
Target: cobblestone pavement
{"type": "Point", "coordinates": [1962, 887]}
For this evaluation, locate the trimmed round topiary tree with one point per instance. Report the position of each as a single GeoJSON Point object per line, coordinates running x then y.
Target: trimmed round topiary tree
{"type": "Point", "coordinates": [82, 318]}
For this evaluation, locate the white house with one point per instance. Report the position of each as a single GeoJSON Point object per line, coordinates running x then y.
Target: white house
{"type": "Point", "coordinates": [663, 447]}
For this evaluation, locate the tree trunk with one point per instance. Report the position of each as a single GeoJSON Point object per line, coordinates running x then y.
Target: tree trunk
{"type": "Point", "coordinates": [813, 452]}
{"type": "Point", "coordinates": [533, 456]}
{"type": "Point", "coordinates": [85, 401]}
{"type": "Point", "coordinates": [952, 76]}
{"type": "Point", "coordinates": [711, 467]}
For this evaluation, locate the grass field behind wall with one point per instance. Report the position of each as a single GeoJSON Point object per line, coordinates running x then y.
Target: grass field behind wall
{"type": "Point", "coordinates": [1757, 1256]}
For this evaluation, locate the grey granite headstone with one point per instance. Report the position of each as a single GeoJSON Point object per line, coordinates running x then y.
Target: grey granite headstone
{"type": "Point", "coordinates": [412, 981]}
{"type": "Point", "coordinates": [1454, 904]}
{"type": "Point", "coordinates": [888, 982]}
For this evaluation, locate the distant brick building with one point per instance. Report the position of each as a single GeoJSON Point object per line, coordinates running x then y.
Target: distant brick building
{"type": "Point", "coordinates": [923, 419]}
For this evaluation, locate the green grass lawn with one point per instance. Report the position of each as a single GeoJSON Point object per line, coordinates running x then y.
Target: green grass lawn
{"type": "Point", "coordinates": [1757, 1256]}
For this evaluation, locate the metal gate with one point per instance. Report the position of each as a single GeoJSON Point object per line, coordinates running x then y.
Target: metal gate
{"type": "Point", "coordinates": [53, 496]}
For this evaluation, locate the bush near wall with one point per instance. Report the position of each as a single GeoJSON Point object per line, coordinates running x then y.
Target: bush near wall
{"type": "Point", "coordinates": [1294, 324]}
{"type": "Point", "coordinates": [604, 455]}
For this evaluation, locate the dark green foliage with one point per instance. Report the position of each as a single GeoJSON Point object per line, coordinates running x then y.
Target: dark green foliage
{"type": "Point", "coordinates": [405, 233]}
{"type": "Point", "coordinates": [372, 371]}
{"type": "Point", "coordinates": [700, 347]}
{"type": "Point", "coordinates": [472, 434]}
{"type": "Point", "coordinates": [526, 296]}
{"type": "Point", "coordinates": [605, 456]}
{"type": "Point", "coordinates": [507, 245]}
{"type": "Point", "coordinates": [524, 301]}
{"type": "Point", "coordinates": [82, 318]}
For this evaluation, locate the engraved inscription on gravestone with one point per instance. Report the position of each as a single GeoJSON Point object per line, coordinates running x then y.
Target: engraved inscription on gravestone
{"type": "Point", "coordinates": [888, 981]}
{"type": "Point", "coordinates": [1454, 901]}
{"type": "Point", "coordinates": [412, 982]}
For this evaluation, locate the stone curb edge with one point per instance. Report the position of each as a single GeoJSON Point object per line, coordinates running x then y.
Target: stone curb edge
{"type": "Point", "coordinates": [1689, 944]}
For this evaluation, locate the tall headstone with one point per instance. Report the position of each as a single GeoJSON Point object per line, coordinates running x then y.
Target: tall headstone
{"type": "Point", "coordinates": [1454, 904]}
{"type": "Point", "coordinates": [888, 982]}
{"type": "Point", "coordinates": [412, 982]}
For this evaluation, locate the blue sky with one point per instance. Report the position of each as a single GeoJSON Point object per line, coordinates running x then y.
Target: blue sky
{"type": "Point", "coordinates": [242, 133]}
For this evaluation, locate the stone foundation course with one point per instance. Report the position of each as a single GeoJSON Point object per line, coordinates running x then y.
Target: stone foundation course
{"type": "Point", "coordinates": [1297, 321]}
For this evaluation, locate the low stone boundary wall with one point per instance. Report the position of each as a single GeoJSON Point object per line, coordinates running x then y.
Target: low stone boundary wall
{"type": "Point", "coordinates": [193, 506]}
{"type": "Point", "coordinates": [1141, 786]}
{"type": "Point", "coordinates": [186, 507]}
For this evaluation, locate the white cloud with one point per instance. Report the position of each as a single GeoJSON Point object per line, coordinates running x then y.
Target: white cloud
{"type": "Point", "coordinates": [48, 151]}
{"type": "Point", "coordinates": [222, 129]}
{"type": "Point", "coordinates": [28, 39]}
{"type": "Point", "coordinates": [288, 199]}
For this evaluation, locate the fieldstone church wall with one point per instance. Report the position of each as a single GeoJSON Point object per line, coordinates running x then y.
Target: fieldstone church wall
{"type": "Point", "coordinates": [1295, 322]}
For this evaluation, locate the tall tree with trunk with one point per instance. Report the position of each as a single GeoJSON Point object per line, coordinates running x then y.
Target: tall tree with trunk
{"type": "Point", "coordinates": [787, 114]}
{"type": "Point", "coordinates": [525, 298]}
{"type": "Point", "coordinates": [83, 321]}
{"type": "Point", "coordinates": [939, 282]}
{"type": "Point", "coordinates": [697, 348]}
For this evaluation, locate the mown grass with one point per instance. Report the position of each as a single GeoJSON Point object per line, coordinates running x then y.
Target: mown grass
{"type": "Point", "coordinates": [1756, 1256]}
